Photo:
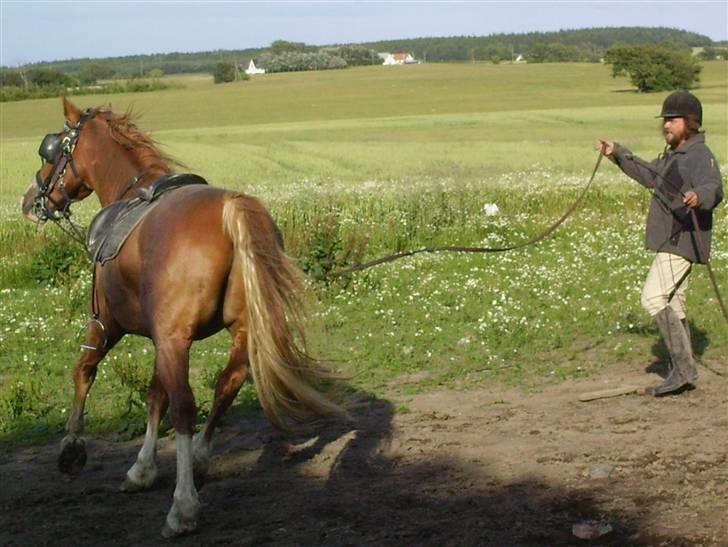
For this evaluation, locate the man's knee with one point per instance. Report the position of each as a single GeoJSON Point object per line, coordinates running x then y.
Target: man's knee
{"type": "Point", "coordinates": [653, 303]}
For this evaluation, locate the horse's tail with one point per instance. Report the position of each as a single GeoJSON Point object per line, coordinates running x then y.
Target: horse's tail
{"type": "Point", "coordinates": [289, 383]}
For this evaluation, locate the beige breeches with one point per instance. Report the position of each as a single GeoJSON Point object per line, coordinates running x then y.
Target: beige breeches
{"type": "Point", "coordinates": [666, 284]}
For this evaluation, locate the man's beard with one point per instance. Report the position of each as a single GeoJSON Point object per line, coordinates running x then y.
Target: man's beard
{"type": "Point", "coordinates": [673, 140]}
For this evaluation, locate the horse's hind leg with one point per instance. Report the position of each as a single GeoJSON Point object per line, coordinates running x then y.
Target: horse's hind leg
{"type": "Point", "coordinates": [172, 368]}
{"type": "Point", "coordinates": [144, 471]}
{"type": "Point", "coordinates": [228, 384]}
{"type": "Point", "coordinates": [96, 345]}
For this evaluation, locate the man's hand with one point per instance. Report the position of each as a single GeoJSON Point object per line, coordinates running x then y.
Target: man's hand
{"type": "Point", "coordinates": [691, 199]}
{"type": "Point", "coordinates": [607, 147]}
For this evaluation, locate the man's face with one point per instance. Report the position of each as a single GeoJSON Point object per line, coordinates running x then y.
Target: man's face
{"type": "Point", "coordinates": [674, 130]}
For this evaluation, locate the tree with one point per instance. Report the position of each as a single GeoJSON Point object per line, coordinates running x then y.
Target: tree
{"type": "Point", "coordinates": [356, 55]}
{"type": "Point", "coordinates": [654, 67]}
{"type": "Point", "coordinates": [224, 72]}
{"type": "Point", "coordinates": [554, 53]}
{"type": "Point", "coordinates": [11, 78]}
{"type": "Point", "coordinates": [90, 73]}
{"type": "Point", "coordinates": [712, 53]}
{"type": "Point", "coordinates": [283, 46]}
{"type": "Point", "coordinates": [294, 62]}
{"type": "Point", "coordinates": [46, 77]}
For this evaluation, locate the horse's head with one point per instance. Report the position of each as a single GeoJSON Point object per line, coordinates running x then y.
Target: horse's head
{"type": "Point", "coordinates": [97, 151]}
{"type": "Point", "coordinates": [62, 178]}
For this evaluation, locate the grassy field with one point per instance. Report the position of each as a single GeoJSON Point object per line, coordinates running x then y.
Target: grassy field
{"type": "Point", "coordinates": [370, 161]}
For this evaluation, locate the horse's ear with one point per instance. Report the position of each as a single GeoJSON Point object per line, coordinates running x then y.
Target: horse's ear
{"type": "Point", "coordinates": [71, 112]}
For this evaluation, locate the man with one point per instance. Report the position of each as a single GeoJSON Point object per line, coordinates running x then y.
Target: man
{"type": "Point", "coordinates": [685, 179]}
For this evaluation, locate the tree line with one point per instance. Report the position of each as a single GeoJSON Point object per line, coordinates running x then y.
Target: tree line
{"type": "Point", "coordinates": [583, 45]}
{"type": "Point", "coordinates": [41, 82]}
{"type": "Point", "coordinates": [576, 45]}
{"type": "Point", "coordinates": [630, 51]}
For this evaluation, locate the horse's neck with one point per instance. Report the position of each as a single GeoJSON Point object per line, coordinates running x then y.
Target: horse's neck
{"type": "Point", "coordinates": [126, 175]}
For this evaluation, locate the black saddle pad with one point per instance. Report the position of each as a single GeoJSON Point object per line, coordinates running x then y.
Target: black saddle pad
{"type": "Point", "coordinates": [113, 224]}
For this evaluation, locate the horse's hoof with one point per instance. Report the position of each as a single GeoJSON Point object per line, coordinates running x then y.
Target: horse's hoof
{"type": "Point", "coordinates": [168, 532]}
{"type": "Point", "coordinates": [130, 486]}
{"type": "Point", "coordinates": [182, 516]}
{"type": "Point", "coordinates": [141, 476]}
{"type": "Point", "coordinates": [73, 455]}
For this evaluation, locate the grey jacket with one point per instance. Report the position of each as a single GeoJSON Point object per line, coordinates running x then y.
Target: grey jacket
{"type": "Point", "coordinates": [691, 166]}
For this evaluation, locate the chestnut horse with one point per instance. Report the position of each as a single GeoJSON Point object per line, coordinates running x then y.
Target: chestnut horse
{"type": "Point", "coordinates": [201, 260]}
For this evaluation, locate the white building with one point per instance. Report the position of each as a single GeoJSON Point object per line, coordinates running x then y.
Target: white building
{"type": "Point", "coordinates": [252, 69]}
{"type": "Point", "coordinates": [399, 58]}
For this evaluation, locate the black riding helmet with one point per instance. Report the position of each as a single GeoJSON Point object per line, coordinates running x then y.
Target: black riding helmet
{"type": "Point", "coordinates": [682, 104]}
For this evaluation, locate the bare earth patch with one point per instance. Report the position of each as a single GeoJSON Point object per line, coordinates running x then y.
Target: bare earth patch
{"type": "Point", "coordinates": [489, 466]}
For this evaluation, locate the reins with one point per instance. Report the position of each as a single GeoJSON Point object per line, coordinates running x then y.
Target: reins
{"type": "Point", "coordinates": [467, 249]}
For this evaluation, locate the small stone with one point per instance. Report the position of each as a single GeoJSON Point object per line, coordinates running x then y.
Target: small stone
{"type": "Point", "coordinates": [591, 529]}
{"type": "Point", "coordinates": [600, 471]}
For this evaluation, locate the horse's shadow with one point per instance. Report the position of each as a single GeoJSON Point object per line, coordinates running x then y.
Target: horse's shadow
{"type": "Point", "coordinates": [363, 482]}
{"type": "Point", "coordinates": [348, 445]}
{"type": "Point", "coordinates": [343, 484]}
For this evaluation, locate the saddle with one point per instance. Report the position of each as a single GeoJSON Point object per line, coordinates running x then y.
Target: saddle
{"type": "Point", "coordinates": [113, 224]}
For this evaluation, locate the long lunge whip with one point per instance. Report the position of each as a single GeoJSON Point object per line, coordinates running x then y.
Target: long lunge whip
{"type": "Point", "coordinates": [466, 249]}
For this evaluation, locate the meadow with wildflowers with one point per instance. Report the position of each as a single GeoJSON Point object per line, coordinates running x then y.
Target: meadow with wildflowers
{"type": "Point", "coordinates": [363, 163]}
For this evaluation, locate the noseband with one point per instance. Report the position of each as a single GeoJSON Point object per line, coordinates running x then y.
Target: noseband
{"type": "Point", "coordinates": [58, 150]}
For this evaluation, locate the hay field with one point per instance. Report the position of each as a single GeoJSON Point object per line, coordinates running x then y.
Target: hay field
{"type": "Point", "coordinates": [381, 159]}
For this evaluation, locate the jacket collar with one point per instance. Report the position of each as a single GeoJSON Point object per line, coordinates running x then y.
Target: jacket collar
{"type": "Point", "coordinates": [692, 141]}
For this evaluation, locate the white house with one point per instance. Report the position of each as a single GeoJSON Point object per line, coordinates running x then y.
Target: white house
{"type": "Point", "coordinates": [399, 58]}
{"type": "Point", "coordinates": [252, 69]}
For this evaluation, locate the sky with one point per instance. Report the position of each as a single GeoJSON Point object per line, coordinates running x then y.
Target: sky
{"type": "Point", "coordinates": [34, 31]}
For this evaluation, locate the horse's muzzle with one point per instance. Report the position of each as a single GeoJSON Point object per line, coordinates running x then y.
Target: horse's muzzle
{"type": "Point", "coordinates": [28, 204]}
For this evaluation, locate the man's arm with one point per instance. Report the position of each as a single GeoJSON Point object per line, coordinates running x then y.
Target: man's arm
{"type": "Point", "coordinates": [701, 169]}
{"type": "Point", "coordinates": [625, 160]}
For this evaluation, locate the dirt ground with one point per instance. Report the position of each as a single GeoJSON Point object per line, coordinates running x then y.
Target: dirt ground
{"type": "Point", "coordinates": [491, 466]}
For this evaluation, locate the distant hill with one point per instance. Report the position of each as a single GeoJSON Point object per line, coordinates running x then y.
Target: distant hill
{"type": "Point", "coordinates": [566, 45]}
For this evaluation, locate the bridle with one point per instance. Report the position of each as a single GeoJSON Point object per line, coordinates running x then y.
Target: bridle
{"type": "Point", "coordinates": [57, 149]}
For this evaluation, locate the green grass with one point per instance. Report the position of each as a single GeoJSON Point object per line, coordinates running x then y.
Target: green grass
{"type": "Point", "coordinates": [375, 160]}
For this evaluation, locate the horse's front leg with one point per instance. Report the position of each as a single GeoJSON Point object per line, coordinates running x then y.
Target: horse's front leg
{"type": "Point", "coordinates": [73, 448]}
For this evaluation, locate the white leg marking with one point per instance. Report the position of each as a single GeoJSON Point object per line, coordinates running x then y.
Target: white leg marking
{"type": "Point", "coordinates": [144, 471]}
{"type": "Point", "coordinates": [182, 517]}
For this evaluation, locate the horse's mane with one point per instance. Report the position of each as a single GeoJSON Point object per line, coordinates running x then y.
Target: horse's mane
{"type": "Point", "coordinates": [126, 133]}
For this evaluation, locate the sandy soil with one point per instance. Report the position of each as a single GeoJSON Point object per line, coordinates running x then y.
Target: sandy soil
{"type": "Point", "coordinates": [491, 466]}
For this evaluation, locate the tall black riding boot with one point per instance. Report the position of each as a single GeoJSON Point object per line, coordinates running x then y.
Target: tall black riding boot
{"type": "Point", "coordinates": [683, 372]}
{"type": "Point", "coordinates": [686, 326]}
